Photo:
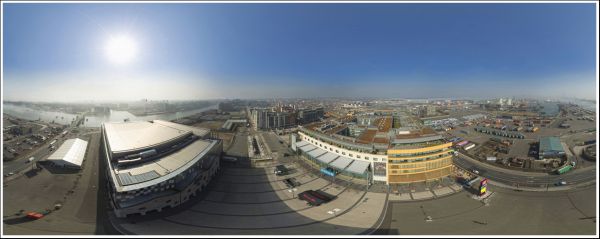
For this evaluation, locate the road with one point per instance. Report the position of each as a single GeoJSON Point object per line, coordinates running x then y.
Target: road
{"type": "Point", "coordinates": [520, 178]}
{"type": "Point", "coordinates": [39, 153]}
{"type": "Point", "coordinates": [22, 162]}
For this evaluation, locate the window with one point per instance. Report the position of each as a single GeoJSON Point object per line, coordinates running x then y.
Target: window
{"type": "Point", "coordinates": [358, 156]}
{"type": "Point", "coordinates": [367, 158]}
{"type": "Point", "coordinates": [169, 201]}
{"type": "Point", "coordinates": [343, 153]}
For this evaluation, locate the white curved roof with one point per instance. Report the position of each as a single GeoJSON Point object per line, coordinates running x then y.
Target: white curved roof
{"type": "Point", "coordinates": [130, 136]}
{"type": "Point", "coordinates": [71, 152]}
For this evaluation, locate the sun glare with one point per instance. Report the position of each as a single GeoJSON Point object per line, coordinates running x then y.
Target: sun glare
{"type": "Point", "coordinates": [121, 49]}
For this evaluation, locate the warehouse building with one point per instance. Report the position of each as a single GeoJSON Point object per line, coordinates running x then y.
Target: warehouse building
{"type": "Point", "coordinates": [153, 165]}
{"type": "Point", "coordinates": [550, 147]}
{"type": "Point", "coordinates": [70, 154]}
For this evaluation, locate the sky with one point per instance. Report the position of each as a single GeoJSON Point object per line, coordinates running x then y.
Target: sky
{"type": "Point", "coordinates": [58, 52]}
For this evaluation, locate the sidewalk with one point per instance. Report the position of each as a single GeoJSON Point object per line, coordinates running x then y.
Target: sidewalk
{"type": "Point", "coordinates": [430, 193]}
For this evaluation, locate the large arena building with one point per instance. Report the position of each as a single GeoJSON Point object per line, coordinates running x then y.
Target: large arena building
{"type": "Point", "coordinates": [157, 164]}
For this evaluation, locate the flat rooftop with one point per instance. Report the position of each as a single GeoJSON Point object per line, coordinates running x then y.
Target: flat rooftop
{"type": "Point", "coordinates": [550, 144]}
{"type": "Point", "coordinates": [159, 170]}
{"type": "Point", "coordinates": [138, 135]}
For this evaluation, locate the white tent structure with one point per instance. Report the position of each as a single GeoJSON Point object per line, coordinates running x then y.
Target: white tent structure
{"type": "Point", "coordinates": [70, 153]}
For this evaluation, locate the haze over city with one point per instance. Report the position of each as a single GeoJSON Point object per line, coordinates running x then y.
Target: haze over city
{"type": "Point", "coordinates": [196, 119]}
{"type": "Point", "coordinates": [68, 52]}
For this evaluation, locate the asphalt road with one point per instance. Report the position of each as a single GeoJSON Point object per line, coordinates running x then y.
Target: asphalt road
{"type": "Point", "coordinates": [508, 212]}
{"type": "Point", "coordinates": [530, 179]}
{"type": "Point", "coordinates": [41, 152]}
{"type": "Point", "coordinates": [38, 153]}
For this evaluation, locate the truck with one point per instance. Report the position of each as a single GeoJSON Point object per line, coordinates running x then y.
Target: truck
{"type": "Point", "coordinates": [37, 215]}
{"type": "Point", "coordinates": [564, 169]}
{"type": "Point", "coordinates": [593, 141]}
{"type": "Point", "coordinates": [31, 159]}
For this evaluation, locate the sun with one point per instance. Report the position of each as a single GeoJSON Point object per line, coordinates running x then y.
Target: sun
{"type": "Point", "coordinates": [121, 49]}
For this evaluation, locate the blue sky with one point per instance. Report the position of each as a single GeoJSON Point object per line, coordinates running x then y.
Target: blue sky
{"type": "Point", "coordinates": [199, 51]}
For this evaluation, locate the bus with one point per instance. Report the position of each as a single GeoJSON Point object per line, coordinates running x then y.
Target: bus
{"type": "Point", "coordinates": [564, 169]}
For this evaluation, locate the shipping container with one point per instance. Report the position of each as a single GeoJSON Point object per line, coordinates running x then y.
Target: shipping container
{"type": "Point", "coordinates": [462, 143]}
{"type": "Point", "coordinates": [469, 146]}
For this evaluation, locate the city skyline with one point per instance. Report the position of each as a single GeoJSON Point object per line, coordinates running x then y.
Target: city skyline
{"type": "Point", "coordinates": [289, 118]}
{"type": "Point", "coordinates": [215, 51]}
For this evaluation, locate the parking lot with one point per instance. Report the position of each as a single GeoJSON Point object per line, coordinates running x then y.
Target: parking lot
{"type": "Point", "coordinates": [508, 213]}
{"type": "Point", "coordinates": [76, 190]}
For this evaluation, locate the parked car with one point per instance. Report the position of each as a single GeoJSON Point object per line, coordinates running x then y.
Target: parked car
{"type": "Point", "coordinates": [291, 183]}
{"type": "Point", "coordinates": [280, 170]}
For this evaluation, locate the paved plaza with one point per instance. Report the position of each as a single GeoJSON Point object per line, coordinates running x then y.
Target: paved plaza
{"type": "Point", "coordinates": [256, 201]}
{"type": "Point", "coordinates": [507, 212]}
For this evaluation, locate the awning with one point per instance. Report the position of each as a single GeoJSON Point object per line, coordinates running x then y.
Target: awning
{"type": "Point", "coordinates": [307, 148]}
{"type": "Point", "coordinates": [341, 163]}
{"type": "Point", "coordinates": [301, 143]}
{"type": "Point", "coordinates": [327, 158]}
{"type": "Point", "coordinates": [316, 153]}
{"type": "Point", "coordinates": [358, 167]}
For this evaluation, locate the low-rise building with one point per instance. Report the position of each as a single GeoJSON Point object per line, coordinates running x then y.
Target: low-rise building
{"type": "Point", "coordinates": [70, 154]}
{"type": "Point", "coordinates": [550, 147]}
